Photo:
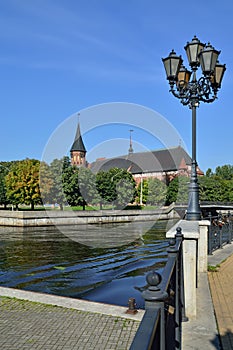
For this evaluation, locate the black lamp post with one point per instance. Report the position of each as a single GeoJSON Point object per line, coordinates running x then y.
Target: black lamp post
{"type": "Point", "coordinates": [191, 92]}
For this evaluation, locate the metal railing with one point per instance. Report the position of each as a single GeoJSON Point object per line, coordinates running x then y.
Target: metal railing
{"type": "Point", "coordinates": [160, 327]}
{"type": "Point", "coordinates": [220, 231]}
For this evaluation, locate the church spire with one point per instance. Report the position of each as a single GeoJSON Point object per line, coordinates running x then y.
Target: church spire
{"type": "Point", "coordinates": [78, 150]}
{"type": "Point", "coordinates": [130, 143]}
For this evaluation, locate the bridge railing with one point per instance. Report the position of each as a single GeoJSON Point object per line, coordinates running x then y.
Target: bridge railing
{"type": "Point", "coordinates": [220, 231]}
{"type": "Point", "coordinates": [160, 327]}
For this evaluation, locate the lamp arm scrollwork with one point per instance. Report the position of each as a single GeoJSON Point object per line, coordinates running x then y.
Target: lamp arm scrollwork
{"type": "Point", "coordinates": [201, 90]}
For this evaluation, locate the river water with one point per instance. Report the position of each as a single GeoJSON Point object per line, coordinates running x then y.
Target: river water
{"type": "Point", "coordinates": [79, 265]}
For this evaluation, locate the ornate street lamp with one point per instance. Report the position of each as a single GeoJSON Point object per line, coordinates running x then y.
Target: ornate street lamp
{"type": "Point", "coordinates": [192, 91]}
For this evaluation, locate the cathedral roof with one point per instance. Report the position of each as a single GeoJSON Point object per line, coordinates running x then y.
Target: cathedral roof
{"type": "Point", "coordinates": [170, 159]}
{"type": "Point", "coordinates": [78, 144]}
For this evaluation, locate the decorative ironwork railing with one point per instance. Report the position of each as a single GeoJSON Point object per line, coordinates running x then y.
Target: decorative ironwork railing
{"type": "Point", "coordinates": [220, 231]}
{"type": "Point", "coordinates": [160, 327]}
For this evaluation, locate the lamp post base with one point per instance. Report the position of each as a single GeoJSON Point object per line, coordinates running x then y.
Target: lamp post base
{"type": "Point", "coordinates": [193, 216]}
{"type": "Point", "coordinates": [194, 210]}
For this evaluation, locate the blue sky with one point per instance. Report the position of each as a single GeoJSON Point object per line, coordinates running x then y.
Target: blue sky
{"type": "Point", "coordinates": [61, 57]}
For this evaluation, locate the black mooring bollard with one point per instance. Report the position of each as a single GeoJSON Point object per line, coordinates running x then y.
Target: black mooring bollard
{"type": "Point", "coordinates": [132, 307]}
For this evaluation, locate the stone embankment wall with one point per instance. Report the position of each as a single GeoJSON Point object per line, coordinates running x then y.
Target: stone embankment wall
{"type": "Point", "coordinates": [53, 217]}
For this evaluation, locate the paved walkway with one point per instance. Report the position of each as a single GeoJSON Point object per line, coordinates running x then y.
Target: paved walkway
{"type": "Point", "coordinates": [213, 327]}
{"type": "Point", "coordinates": [221, 286]}
{"type": "Point", "coordinates": [32, 325]}
{"type": "Point", "coordinates": [201, 333]}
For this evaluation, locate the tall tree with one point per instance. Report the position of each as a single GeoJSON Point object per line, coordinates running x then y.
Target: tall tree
{"type": "Point", "coordinates": [22, 183]}
{"type": "Point", "coordinates": [4, 170]}
{"type": "Point", "coordinates": [116, 186]}
{"type": "Point", "coordinates": [209, 172]}
{"type": "Point", "coordinates": [46, 183]}
{"type": "Point", "coordinates": [157, 191]}
{"type": "Point", "coordinates": [178, 190]}
{"type": "Point", "coordinates": [230, 190]}
{"type": "Point", "coordinates": [87, 187]}
{"type": "Point", "coordinates": [70, 180]}
{"type": "Point", "coordinates": [57, 193]}
{"type": "Point", "coordinates": [225, 172]}
{"type": "Point", "coordinates": [213, 189]}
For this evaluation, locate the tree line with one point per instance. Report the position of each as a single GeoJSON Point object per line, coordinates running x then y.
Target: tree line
{"type": "Point", "coordinates": [32, 182]}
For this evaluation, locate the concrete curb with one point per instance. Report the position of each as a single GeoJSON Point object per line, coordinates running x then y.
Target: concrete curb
{"type": "Point", "coordinates": [70, 217]}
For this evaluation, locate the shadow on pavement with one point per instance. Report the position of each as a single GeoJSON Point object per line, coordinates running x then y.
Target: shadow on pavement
{"type": "Point", "coordinates": [224, 342]}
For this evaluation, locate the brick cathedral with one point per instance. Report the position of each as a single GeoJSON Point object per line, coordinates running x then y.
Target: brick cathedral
{"type": "Point", "coordinates": [164, 164]}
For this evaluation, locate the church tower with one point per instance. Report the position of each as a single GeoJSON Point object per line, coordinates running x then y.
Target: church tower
{"type": "Point", "coordinates": [78, 150]}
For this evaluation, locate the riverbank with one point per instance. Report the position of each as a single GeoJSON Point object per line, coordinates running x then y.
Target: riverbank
{"type": "Point", "coordinates": [57, 218]}
{"type": "Point", "coordinates": [40, 321]}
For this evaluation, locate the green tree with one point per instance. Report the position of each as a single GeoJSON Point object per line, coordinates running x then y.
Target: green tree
{"type": "Point", "coordinates": [126, 190]}
{"type": "Point", "coordinates": [22, 183]}
{"type": "Point", "coordinates": [225, 190]}
{"type": "Point", "coordinates": [208, 188]}
{"type": "Point", "coordinates": [4, 170]}
{"type": "Point", "coordinates": [213, 189]}
{"type": "Point", "coordinates": [230, 190]}
{"type": "Point", "coordinates": [116, 186]}
{"type": "Point", "coordinates": [66, 163]}
{"type": "Point", "coordinates": [157, 191]}
{"type": "Point", "coordinates": [70, 180]}
{"type": "Point", "coordinates": [105, 188]}
{"type": "Point", "coordinates": [209, 172]}
{"type": "Point", "coordinates": [87, 187]}
{"type": "Point", "coordinates": [57, 195]}
{"type": "Point", "coordinates": [3, 196]}
{"type": "Point", "coordinates": [178, 190]}
{"type": "Point", "coordinates": [183, 184]}
{"type": "Point", "coordinates": [225, 172]}
{"type": "Point", "coordinates": [46, 183]}
{"type": "Point", "coordinates": [217, 187]}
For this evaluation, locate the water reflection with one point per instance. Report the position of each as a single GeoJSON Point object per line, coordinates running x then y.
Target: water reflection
{"type": "Point", "coordinates": [107, 235]}
{"type": "Point", "coordinates": [45, 260]}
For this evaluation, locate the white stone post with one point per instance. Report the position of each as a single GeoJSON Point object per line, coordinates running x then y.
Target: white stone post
{"type": "Point", "coordinates": [190, 231]}
{"type": "Point", "coordinates": [203, 246]}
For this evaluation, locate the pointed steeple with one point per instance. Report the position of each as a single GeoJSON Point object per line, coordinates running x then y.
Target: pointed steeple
{"type": "Point", "coordinates": [78, 150]}
{"type": "Point", "coordinates": [130, 143]}
{"type": "Point", "coordinates": [78, 144]}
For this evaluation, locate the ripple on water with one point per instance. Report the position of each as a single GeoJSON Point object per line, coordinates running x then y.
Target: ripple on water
{"type": "Point", "coordinates": [45, 260]}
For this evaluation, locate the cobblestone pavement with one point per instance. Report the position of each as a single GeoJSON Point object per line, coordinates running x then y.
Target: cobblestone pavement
{"type": "Point", "coordinates": [29, 325]}
{"type": "Point", "coordinates": [221, 286]}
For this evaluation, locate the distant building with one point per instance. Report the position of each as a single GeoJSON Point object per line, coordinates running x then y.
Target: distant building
{"type": "Point", "coordinates": [163, 164]}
